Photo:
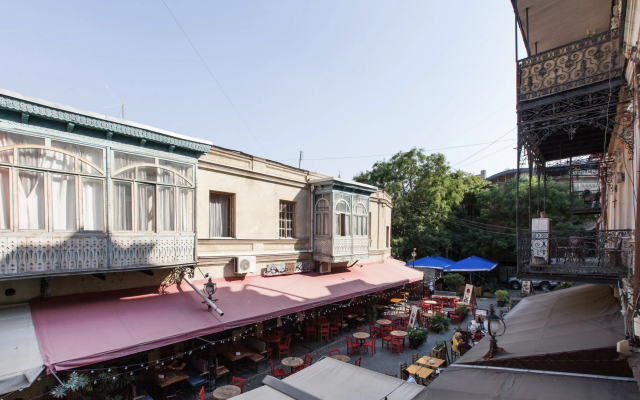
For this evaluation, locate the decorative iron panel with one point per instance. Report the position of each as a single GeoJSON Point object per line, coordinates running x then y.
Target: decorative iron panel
{"type": "Point", "coordinates": [281, 269]}
{"type": "Point", "coordinates": [342, 247]}
{"type": "Point", "coordinates": [590, 60]}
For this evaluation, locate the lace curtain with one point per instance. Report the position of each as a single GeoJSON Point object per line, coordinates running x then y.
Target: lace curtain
{"type": "Point", "coordinates": [219, 212]}
{"type": "Point", "coordinates": [64, 202]}
{"type": "Point", "coordinates": [185, 210]}
{"type": "Point", "coordinates": [30, 200]}
{"type": "Point", "coordinates": [5, 198]}
{"type": "Point", "coordinates": [122, 210]}
{"type": "Point", "coordinates": [93, 204]}
{"type": "Point", "coordinates": [146, 208]}
{"type": "Point", "coordinates": [166, 209]}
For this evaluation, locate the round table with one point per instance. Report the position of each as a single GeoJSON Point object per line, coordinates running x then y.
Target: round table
{"type": "Point", "coordinates": [400, 334]}
{"type": "Point", "coordinates": [402, 315]}
{"type": "Point", "coordinates": [341, 357]}
{"type": "Point", "coordinates": [292, 362]}
{"type": "Point", "coordinates": [361, 336]}
{"type": "Point", "coordinates": [396, 300]}
{"type": "Point", "coordinates": [272, 338]}
{"type": "Point", "coordinates": [226, 392]}
{"type": "Point", "coordinates": [430, 302]}
{"type": "Point", "coordinates": [383, 322]}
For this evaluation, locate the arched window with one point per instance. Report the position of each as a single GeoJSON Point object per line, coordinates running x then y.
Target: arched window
{"type": "Point", "coordinates": [150, 196]}
{"type": "Point", "coordinates": [322, 214]}
{"type": "Point", "coordinates": [48, 185]}
{"type": "Point", "coordinates": [360, 223]}
{"type": "Point", "coordinates": [342, 216]}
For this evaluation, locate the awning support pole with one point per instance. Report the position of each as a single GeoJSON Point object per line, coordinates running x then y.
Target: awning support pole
{"type": "Point", "coordinates": [206, 300]}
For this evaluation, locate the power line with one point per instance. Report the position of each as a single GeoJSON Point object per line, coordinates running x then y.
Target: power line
{"type": "Point", "coordinates": [484, 148]}
{"type": "Point", "coordinates": [491, 115]}
{"type": "Point", "coordinates": [214, 78]}
{"type": "Point", "coordinates": [489, 155]}
{"type": "Point", "coordinates": [391, 154]}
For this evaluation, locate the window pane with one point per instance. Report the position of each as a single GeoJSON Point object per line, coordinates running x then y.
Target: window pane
{"type": "Point", "coordinates": [122, 160]}
{"type": "Point", "coordinates": [91, 154]}
{"type": "Point", "coordinates": [8, 139]}
{"type": "Point", "coordinates": [46, 159]}
{"type": "Point", "coordinates": [63, 188]}
{"type": "Point", "coordinates": [183, 169]}
{"type": "Point", "coordinates": [6, 156]}
{"type": "Point", "coordinates": [166, 209]}
{"type": "Point", "coordinates": [146, 208]}
{"type": "Point", "coordinates": [122, 208]}
{"type": "Point", "coordinates": [93, 204]}
{"type": "Point", "coordinates": [87, 169]}
{"type": "Point", "coordinates": [185, 210]}
{"type": "Point", "coordinates": [5, 198]}
{"type": "Point", "coordinates": [336, 224]}
{"type": "Point", "coordinates": [219, 215]}
{"type": "Point", "coordinates": [31, 200]}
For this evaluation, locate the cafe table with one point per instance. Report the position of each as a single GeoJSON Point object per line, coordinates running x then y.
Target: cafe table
{"type": "Point", "coordinates": [383, 322]}
{"type": "Point", "coordinates": [292, 362]}
{"type": "Point", "coordinates": [419, 371]}
{"type": "Point", "coordinates": [169, 377]}
{"type": "Point", "coordinates": [402, 315]}
{"type": "Point", "coordinates": [341, 357]}
{"type": "Point", "coordinates": [437, 362]}
{"type": "Point", "coordinates": [226, 392]}
{"type": "Point", "coordinates": [400, 334]}
{"type": "Point", "coordinates": [361, 336]}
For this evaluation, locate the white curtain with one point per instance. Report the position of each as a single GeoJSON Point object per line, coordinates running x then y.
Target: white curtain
{"type": "Point", "coordinates": [93, 204]}
{"type": "Point", "coordinates": [121, 160]}
{"type": "Point", "coordinates": [183, 169]}
{"type": "Point", "coordinates": [337, 225]}
{"type": "Point", "coordinates": [146, 208]}
{"type": "Point", "coordinates": [31, 200]}
{"type": "Point", "coordinates": [91, 154]}
{"type": "Point", "coordinates": [64, 202]}
{"type": "Point", "coordinates": [5, 198]}
{"type": "Point", "coordinates": [166, 209]}
{"type": "Point", "coordinates": [122, 218]}
{"type": "Point", "coordinates": [185, 210]}
{"type": "Point", "coordinates": [219, 212]}
{"type": "Point", "coordinates": [45, 159]}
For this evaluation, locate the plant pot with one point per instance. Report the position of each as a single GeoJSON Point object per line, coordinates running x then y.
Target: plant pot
{"type": "Point", "coordinates": [415, 343]}
{"type": "Point", "coordinates": [486, 294]}
{"type": "Point", "coordinates": [441, 353]}
{"type": "Point", "coordinates": [501, 303]}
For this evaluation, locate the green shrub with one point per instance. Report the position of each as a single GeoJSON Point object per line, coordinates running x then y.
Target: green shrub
{"type": "Point", "coordinates": [502, 295]}
{"type": "Point", "coordinates": [417, 336]}
{"type": "Point", "coordinates": [490, 285]}
{"type": "Point", "coordinates": [439, 323]}
{"type": "Point", "coordinates": [463, 310]}
{"type": "Point", "coordinates": [439, 344]}
{"type": "Point", "coordinates": [453, 282]}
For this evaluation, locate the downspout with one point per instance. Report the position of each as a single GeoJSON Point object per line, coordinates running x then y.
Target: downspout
{"type": "Point", "coordinates": [311, 217]}
{"type": "Point", "coordinates": [206, 300]}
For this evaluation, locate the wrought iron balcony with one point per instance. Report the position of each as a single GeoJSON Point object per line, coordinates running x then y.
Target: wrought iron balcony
{"type": "Point", "coordinates": [583, 62]}
{"type": "Point", "coordinates": [582, 254]}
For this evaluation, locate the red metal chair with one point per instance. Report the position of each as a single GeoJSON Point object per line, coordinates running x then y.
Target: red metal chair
{"type": "Point", "coordinates": [201, 394]}
{"type": "Point", "coordinates": [307, 363]}
{"type": "Point", "coordinates": [371, 344]}
{"type": "Point", "coordinates": [334, 330]}
{"type": "Point", "coordinates": [397, 344]}
{"type": "Point", "coordinates": [358, 361]}
{"type": "Point", "coordinates": [239, 382]}
{"type": "Point", "coordinates": [335, 352]}
{"type": "Point", "coordinates": [386, 337]}
{"type": "Point", "coordinates": [361, 329]}
{"type": "Point", "coordinates": [373, 329]}
{"type": "Point", "coordinates": [284, 348]}
{"type": "Point", "coordinates": [324, 332]}
{"type": "Point", "coordinates": [311, 330]}
{"type": "Point", "coordinates": [277, 373]}
{"type": "Point", "coordinates": [352, 345]}
{"type": "Point", "coordinates": [455, 318]}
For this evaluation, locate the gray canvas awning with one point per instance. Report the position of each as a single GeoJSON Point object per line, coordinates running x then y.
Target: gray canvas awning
{"type": "Point", "coordinates": [337, 380]}
{"type": "Point", "coordinates": [459, 383]}
{"type": "Point", "coordinates": [561, 331]}
{"type": "Point", "coordinates": [20, 359]}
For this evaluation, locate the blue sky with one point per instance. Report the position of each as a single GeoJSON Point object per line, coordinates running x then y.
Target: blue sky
{"type": "Point", "coordinates": [334, 79]}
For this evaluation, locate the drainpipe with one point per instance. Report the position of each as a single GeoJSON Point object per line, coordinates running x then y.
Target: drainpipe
{"type": "Point", "coordinates": [312, 231]}
{"type": "Point", "coordinates": [206, 300]}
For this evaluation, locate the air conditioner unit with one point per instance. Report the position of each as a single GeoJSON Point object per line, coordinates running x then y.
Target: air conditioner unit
{"type": "Point", "coordinates": [245, 265]}
{"type": "Point", "coordinates": [325, 268]}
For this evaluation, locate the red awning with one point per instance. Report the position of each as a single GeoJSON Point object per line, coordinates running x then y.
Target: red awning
{"type": "Point", "coordinates": [74, 331]}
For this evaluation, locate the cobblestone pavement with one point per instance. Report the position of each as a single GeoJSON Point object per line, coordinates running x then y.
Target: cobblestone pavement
{"type": "Point", "coordinates": [383, 361]}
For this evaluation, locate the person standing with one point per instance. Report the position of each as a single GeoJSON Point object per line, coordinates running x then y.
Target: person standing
{"type": "Point", "coordinates": [431, 288]}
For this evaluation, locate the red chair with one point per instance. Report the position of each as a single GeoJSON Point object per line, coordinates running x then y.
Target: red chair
{"type": "Point", "coordinates": [373, 329]}
{"type": "Point", "coordinates": [397, 344]}
{"type": "Point", "coordinates": [371, 344]}
{"type": "Point", "coordinates": [277, 373]}
{"type": "Point", "coordinates": [456, 318]}
{"type": "Point", "coordinates": [358, 361]}
{"type": "Point", "coordinates": [335, 352]}
{"type": "Point", "coordinates": [352, 345]}
{"type": "Point", "coordinates": [386, 337]}
{"type": "Point", "coordinates": [361, 329]}
{"type": "Point", "coordinates": [324, 332]}
{"type": "Point", "coordinates": [307, 363]}
{"type": "Point", "coordinates": [311, 330]}
{"type": "Point", "coordinates": [284, 348]}
{"type": "Point", "coordinates": [334, 330]}
{"type": "Point", "coordinates": [201, 394]}
{"type": "Point", "coordinates": [239, 382]}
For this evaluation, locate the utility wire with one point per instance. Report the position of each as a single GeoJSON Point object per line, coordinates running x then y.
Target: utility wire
{"type": "Point", "coordinates": [391, 154]}
{"type": "Point", "coordinates": [214, 78]}
{"type": "Point", "coordinates": [489, 155]}
{"type": "Point", "coordinates": [484, 148]}
{"type": "Point", "coordinates": [491, 115]}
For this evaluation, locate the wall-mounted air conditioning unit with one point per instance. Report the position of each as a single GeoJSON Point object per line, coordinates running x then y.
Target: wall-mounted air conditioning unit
{"type": "Point", "coordinates": [324, 268]}
{"type": "Point", "coordinates": [245, 265]}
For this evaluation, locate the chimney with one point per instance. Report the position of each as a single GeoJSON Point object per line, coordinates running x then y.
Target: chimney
{"type": "Point", "coordinates": [483, 174]}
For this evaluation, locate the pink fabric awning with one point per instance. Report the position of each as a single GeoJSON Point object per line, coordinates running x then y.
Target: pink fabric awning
{"type": "Point", "coordinates": [74, 331]}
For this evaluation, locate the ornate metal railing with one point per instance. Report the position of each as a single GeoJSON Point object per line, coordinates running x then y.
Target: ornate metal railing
{"type": "Point", "coordinates": [585, 202]}
{"type": "Point", "coordinates": [586, 61]}
{"type": "Point", "coordinates": [575, 253]}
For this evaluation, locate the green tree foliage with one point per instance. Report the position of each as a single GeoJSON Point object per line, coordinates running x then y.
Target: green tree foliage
{"type": "Point", "coordinates": [424, 190]}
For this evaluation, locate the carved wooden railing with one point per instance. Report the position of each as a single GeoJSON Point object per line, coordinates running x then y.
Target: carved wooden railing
{"type": "Point", "coordinates": [583, 62]}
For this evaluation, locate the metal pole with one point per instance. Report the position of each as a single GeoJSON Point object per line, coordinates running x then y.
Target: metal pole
{"type": "Point", "coordinates": [529, 157]}
{"type": "Point", "coordinates": [545, 186]}
{"type": "Point", "coordinates": [538, 171]}
{"type": "Point", "coordinates": [206, 300]}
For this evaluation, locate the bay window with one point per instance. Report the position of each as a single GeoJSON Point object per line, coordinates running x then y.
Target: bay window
{"type": "Point", "coordinates": [322, 214]}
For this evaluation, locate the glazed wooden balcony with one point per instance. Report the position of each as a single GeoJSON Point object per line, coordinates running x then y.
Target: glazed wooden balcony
{"type": "Point", "coordinates": [577, 255]}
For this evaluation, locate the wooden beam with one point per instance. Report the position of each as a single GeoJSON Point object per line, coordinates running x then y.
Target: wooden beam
{"type": "Point", "coordinates": [102, 277]}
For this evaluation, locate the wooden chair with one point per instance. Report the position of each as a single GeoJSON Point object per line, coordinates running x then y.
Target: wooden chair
{"type": "Point", "coordinates": [307, 363]}
{"type": "Point", "coordinates": [324, 332]}
{"type": "Point", "coordinates": [352, 345]}
{"type": "Point", "coordinates": [392, 375]}
{"type": "Point", "coordinates": [371, 344]}
{"type": "Point", "coordinates": [373, 329]}
{"type": "Point", "coordinates": [283, 348]}
{"type": "Point", "coordinates": [455, 318]}
{"type": "Point", "coordinates": [220, 370]}
{"type": "Point", "coordinates": [396, 344]}
{"type": "Point", "coordinates": [335, 352]}
{"type": "Point", "coordinates": [311, 330]}
{"type": "Point", "coordinates": [415, 358]}
{"type": "Point", "coordinates": [386, 337]}
{"type": "Point", "coordinates": [334, 330]}
{"type": "Point", "coordinates": [239, 382]}
{"type": "Point", "coordinates": [454, 354]}
{"type": "Point", "coordinates": [403, 371]}
{"type": "Point", "coordinates": [277, 373]}
{"type": "Point", "coordinates": [361, 329]}
{"type": "Point", "coordinates": [358, 361]}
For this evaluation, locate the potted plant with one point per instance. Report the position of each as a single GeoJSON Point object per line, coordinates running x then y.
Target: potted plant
{"type": "Point", "coordinates": [489, 287]}
{"type": "Point", "coordinates": [453, 282]}
{"type": "Point", "coordinates": [370, 312]}
{"type": "Point", "coordinates": [439, 323]}
{"type": "Point", "coordinates": [439, 350]}
{"type": "Point", "coordinates": [417, 336]}
{"type": "Point", "coordinates": [501, 297]}
{"type": "Point", "coordinates": [462, 310]}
